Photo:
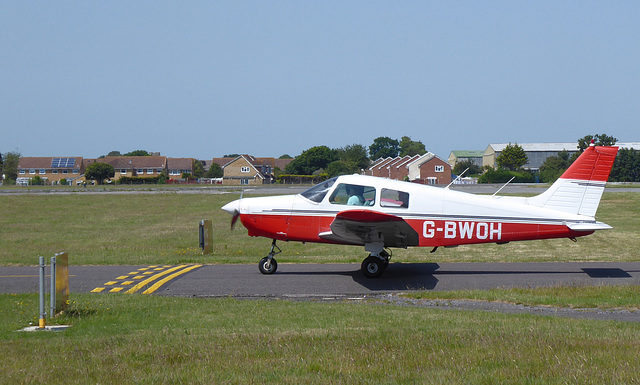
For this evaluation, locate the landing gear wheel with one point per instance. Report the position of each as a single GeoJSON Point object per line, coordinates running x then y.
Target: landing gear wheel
{"type": "Point", "coordinates": [268, 265]}
{"type": "Point", "coordinates": [373, 267]}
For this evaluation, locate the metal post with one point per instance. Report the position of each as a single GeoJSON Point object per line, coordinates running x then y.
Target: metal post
{"type": "Point", "coordinates": [43, 312]}
{"type": "Point", "coordinates": [52, 292]}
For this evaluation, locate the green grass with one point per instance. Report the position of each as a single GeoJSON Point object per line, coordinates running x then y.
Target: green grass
{"type": "Point", "coordinates": [162, 228]}
{"type": "Point", "coordinates": [601, 297]}
{"type": "Point", "coordinates": [149, 340]}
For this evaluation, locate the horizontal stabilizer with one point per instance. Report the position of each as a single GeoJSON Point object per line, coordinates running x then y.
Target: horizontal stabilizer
{"type": "Point", "coordinates": [588, 226]}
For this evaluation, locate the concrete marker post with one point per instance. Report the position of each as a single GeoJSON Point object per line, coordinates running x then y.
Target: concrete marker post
{"type": "Point", "coordinates": [52, 292]}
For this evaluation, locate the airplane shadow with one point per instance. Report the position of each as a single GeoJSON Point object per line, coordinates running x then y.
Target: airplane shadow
{"type": "Point", "coordinates": [399, 276]}
{"type": "Point", "coordinates": [423, 276]}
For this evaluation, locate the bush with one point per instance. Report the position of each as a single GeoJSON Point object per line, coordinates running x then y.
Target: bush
{"type": "Point", "coordinates": [138, 180]}
{"type": "Point", "coordinates": [301, 179]}
{"type": "Point", "coordinates": [36, 181]}
{"type": "Point", "coordinates": [503, 176]}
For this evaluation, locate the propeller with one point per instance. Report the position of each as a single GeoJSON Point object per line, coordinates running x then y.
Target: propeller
{"type": "Point", "coordinates": [233, 208]}
{"type": "Point", "coordinates": [234, 218]}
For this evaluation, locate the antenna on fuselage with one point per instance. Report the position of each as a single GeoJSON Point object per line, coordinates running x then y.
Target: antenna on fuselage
{"type": "Point", "coordinates": [457, 178]}
{"type": "Point", "coordinates": [503, 186]}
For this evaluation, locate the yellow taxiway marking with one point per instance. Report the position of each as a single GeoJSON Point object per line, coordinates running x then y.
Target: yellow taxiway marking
{"type": "Point", "coordinates": [153, 278]}
{"type": "Point", "coordinates": [157, 285]}
{"type": "Point", "coordinates": [160, 274]}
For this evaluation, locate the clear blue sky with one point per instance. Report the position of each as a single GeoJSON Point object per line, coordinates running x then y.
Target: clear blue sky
{"type": "Point", "coordinates": [206, 78]}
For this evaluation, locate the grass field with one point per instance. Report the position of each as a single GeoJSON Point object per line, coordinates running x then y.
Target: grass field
{"type": "Point", "coordinates": [140, 339]}
{"type": "Point", "coordinates": [118, 339]}
{"type": "Point", "coordinates": [162, 228]}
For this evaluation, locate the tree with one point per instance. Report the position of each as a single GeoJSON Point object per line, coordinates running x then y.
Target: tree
{"type": "Point", "coordinates": [512, 157]}
{"type": "Point", "coordinates": [384, 147]}
{"type": "Point", "coordinates": [599, 140]}
{"type": "Point", "coordinates": [626, 167]}
{"type": "Point", "coordinates": [285, 156]}
{"type": "Point", "coordinates": [554, 166]}
{"type": "Point", "coordinates": [355, 155]}
{"type": "Point", "coordinates": [10, 166]}
{"type": "Point", "coordinates": [215, 171]}
{"type": "Point", "coordinates": [410, 147]}
{"type": "Point", "coordinates": [198, 168]}
{"type": "Point", "coordinates": [0, 164]}
{"type": "Point", "coordinates": [137, 153]}
{"type": "Point", "coordinates": [340, 167]}
{"type": "Point", "coordinates": [99, 172]}
{"type": "Point", "coordinates": [311, 160]}
{"type": "Point", "coordinates": [473, 168]}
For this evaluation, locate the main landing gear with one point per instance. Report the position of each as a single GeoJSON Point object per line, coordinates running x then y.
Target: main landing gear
{"type": "Point", "coordinates": [374, 265]}
{"type": "Point", "coordinates": [268, 264]}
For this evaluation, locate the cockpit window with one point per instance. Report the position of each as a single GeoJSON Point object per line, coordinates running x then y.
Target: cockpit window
{"type": "Point", "coordinates": [318, 192]}
{"type": "Point", "coordinates": [394, 198]}
{"type": "Point", "coordinates": [353, 195]}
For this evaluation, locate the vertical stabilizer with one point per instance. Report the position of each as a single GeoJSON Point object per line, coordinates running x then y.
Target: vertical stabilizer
{"type": "Point", "coordinates": [579, 189]}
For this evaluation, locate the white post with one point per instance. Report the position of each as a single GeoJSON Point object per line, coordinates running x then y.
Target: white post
{"type": "Point", "coordinates": [43, 312]}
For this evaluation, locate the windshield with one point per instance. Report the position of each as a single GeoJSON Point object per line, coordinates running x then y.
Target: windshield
{"type": "Point", "coordinates": [318, 192]}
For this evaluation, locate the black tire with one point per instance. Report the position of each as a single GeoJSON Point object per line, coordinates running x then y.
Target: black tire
{"type": "Point", "coordinates": [373, 267]}
{"type": "Point", "coordinates": [262, 265]}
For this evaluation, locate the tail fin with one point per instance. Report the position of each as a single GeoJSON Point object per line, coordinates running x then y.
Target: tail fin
{"type": "Point", "coordinates": [579, 189]}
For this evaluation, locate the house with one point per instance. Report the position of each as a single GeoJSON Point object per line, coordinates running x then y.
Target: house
{"type": "Point", "coordinates": [537, 153]}
{"type": "Point", "coordinates": [392, 168]}
{"type": "Point", "coordinates": [427, 169]}
{"type": "Point", "coordinates": [51, 169]}
{"type": "Point", "coordinates": [247, 170]}
{"type": "Point", "coordinates": [179, 166]}
{"type": "Point", "coordinates": [430, 169]}
{"type": "Point", "coordinates": [135, 166]}
{"type": "Point", "coordinates": [464, 156]}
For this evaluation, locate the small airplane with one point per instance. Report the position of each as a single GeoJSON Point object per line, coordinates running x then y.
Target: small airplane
{"type": "Point", "coordinates": [380, 213]}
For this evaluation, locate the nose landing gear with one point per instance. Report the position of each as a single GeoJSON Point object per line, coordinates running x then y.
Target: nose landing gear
{"type": "Point", "coordinates": [268, 264]}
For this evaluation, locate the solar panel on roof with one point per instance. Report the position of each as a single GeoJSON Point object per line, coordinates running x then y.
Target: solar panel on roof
{"type": "Point", "coordinates": [62, 162]}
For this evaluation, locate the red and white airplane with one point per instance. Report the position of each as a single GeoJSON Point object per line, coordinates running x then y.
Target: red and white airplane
{"type": "Point", "coordinates": [380, 213]}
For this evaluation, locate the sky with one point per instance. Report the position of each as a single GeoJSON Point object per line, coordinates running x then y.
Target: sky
{"type": "Point", "coordinates": [204, 79]}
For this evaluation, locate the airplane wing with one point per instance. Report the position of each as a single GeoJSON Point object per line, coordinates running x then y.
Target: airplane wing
{"type": "Point", "coordinates": [361, 226]}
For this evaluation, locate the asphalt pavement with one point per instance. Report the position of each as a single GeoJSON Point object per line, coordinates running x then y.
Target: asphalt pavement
{"type": "Point", "coordinates": [299, 280]}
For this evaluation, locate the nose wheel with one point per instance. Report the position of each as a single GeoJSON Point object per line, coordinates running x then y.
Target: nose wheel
{"type": "Point", "coordinates": [268, 264]}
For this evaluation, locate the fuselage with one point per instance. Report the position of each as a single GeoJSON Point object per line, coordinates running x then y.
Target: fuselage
{"type": "Point", "coordinates": [439, 216]}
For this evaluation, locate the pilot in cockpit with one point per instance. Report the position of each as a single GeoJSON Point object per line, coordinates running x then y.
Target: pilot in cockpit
{"type": "Point", "coordinates": [356, 197]}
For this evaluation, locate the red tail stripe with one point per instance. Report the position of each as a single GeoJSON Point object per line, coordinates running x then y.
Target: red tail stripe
{"type": "Point", "coordinates": [593, 164]}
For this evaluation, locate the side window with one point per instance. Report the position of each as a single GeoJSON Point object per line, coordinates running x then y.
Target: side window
{"type": "Point", "coordinates": [353, 195]}
{"type": "Point", "coordinates": [394, 198]}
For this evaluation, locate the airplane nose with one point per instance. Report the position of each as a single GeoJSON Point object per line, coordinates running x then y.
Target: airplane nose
{"type": "Point", "coordinates": [232, 207]}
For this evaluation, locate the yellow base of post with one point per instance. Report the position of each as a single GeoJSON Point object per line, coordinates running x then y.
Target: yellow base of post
{"type": "Point", "coordinates": [42, 323]}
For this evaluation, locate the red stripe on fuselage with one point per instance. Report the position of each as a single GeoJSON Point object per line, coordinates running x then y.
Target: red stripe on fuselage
{"type": "Point", "coordinates": [436, 232]}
